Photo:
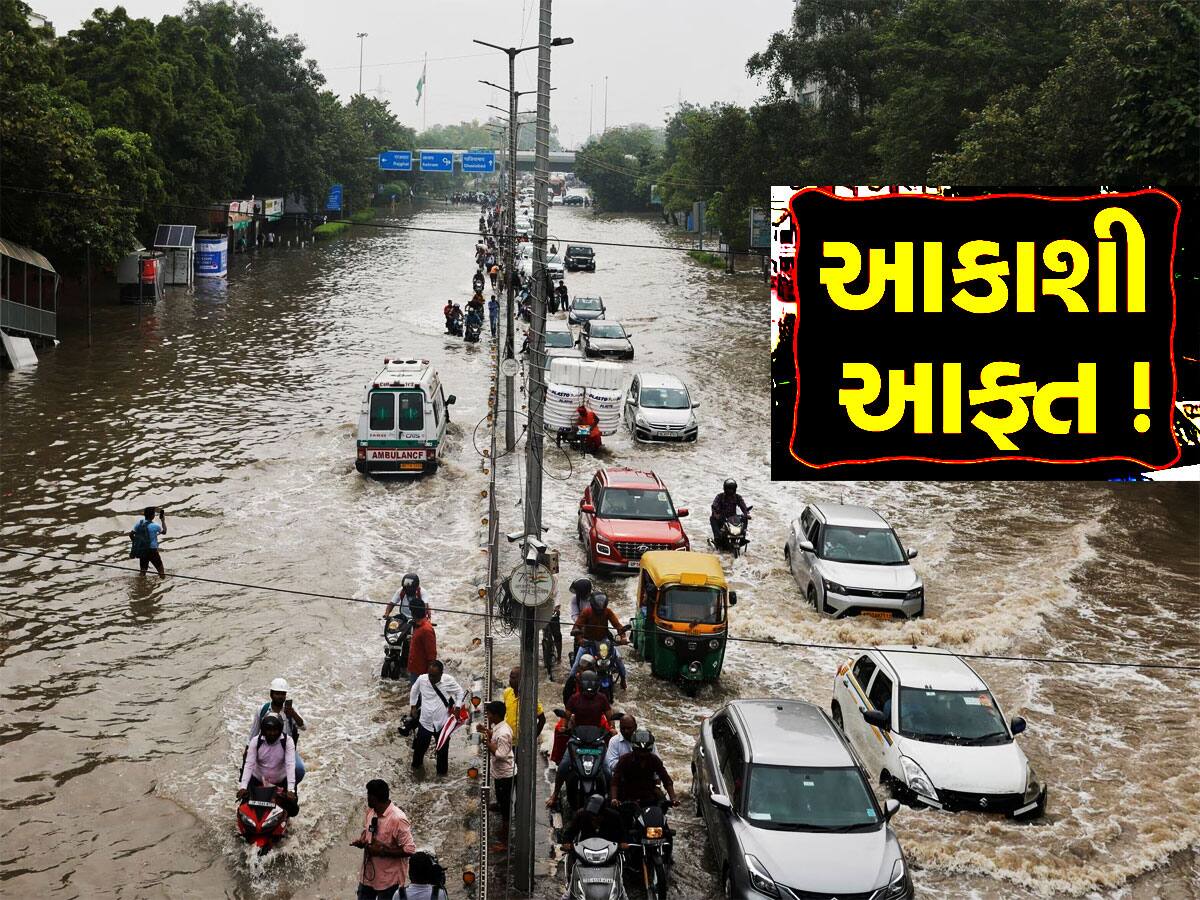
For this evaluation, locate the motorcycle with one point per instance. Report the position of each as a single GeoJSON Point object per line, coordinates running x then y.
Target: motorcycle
{"type": "Point", "coordinates": [261, 819]}
{"type": "Point", "coordinates": [650, 846]}
{"type": "Point", "coordinates": [552, 642]}
{"type": "Point", "coordinates": [454, 324]}
{"type": "Point", "coordinates": [605, 653]}
{"type": "Point", "coordinates": [731, 533]}
{"type": "Point", "coordinates": [574, 437]}
{"type": "Point", "coordinates": [397, 630]}
{"type": "Point", "coordinates": [597, 871]}
{"type": "Point", "coordinates": [477, 283]}
{"type": "Point", "coordinates": [585, 770]}
{"type": "Point", "coordinates": [474, 327]}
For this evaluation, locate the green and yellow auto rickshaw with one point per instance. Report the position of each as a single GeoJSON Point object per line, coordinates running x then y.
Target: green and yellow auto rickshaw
{"type": "Point", "coordinates": [681, 622]}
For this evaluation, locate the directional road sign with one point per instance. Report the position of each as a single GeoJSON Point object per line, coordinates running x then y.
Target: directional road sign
{"type": "Point", "coordinates": [437, 161]}
{"type": "Point", "coordinates": [479, 162]}
{"type": "Point", "coordinates": [396, 160]}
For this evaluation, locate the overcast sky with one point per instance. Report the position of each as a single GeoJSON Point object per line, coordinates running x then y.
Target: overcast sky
{"type": "Point", "coordinates": [653, 52]}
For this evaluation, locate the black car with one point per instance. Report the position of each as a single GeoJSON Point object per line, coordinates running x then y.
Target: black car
{"type": "Point", "coordinates": [580, 257]}
{"type": "Point", "coordinates": [573, 200]}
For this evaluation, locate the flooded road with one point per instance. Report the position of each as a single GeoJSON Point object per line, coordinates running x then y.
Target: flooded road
{"type": "Point", "coordinates": [124, 703]}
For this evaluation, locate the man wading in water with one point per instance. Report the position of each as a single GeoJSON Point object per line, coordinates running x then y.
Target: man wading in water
{"type": "Point", "coordinates": [145, 540]}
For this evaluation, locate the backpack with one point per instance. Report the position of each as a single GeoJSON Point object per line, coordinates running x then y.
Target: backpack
{"type": "Point", "coordinates": [424, 868]}
{"type": "Point", "coordinates": [139, 540]}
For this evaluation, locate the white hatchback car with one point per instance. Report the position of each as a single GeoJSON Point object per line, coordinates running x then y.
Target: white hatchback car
{"type": "Point", "coordinates": [926, 725]}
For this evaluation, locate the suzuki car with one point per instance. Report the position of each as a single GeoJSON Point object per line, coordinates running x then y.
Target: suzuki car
{"type": "Point", "coordinates": [625, 513]}
{"type": "Point", "coordinates": [929, 728]}
{"type": "Point", "coordinates": [584, 309]}
{"type": "Point", "coordinates": [788, 811]}
{"type": "Point", "coordinates": [659, 408]}
{"type": "Point", "coordinates": [848, 561]}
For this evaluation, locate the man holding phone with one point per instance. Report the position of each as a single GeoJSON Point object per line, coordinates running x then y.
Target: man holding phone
{"type": "Point", "coordinates": [387, 843]}
{"type": "Point", "coordinates": [293, 722]}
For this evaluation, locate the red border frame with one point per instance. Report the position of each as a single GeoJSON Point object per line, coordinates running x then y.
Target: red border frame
{"type": "Point", "coordinates": [986, 459]}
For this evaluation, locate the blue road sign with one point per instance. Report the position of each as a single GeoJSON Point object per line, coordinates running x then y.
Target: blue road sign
{"type": "Point", "coordinates": [479, 162]}
{"type": "Point", "coordinates": [396, 160]}
{"type": "Point", "coordinates": [437, 161]}
{"type": "Point", "coordinates": [335, 198]}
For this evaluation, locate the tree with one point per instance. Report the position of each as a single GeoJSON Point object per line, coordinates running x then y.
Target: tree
{"type": "Point", "coordinates": [620, 166]}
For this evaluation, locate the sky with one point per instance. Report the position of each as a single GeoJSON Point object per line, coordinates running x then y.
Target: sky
{"type": "Point", "coordinates": [650, 53]}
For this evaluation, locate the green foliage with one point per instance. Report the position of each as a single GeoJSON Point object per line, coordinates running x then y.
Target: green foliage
{"type": "Point", "coordinates": [620, 166]}
{"type": "Point", "coordinates": [329, 230]}
{"type": "Point", "coordinates": [712, 260]}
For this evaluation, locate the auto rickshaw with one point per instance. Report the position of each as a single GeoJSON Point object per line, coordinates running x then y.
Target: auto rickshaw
{"type": "Point", "coordinates": [681, 622]}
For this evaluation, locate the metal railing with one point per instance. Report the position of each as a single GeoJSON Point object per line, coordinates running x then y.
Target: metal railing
{"type": "Point", "coordinates": [29, 319]}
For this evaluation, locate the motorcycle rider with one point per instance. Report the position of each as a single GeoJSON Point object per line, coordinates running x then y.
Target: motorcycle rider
{"type": "Point", "coordinates": [448, 315]}
{"type": "Point", "coordinates": [591, 648]}
{"type": "Point", "coordinates": [409, 594]}
{"type": "Point", "coordinates": [635, 775]}
{"type": "Point", "coordinates": [592, 623]}
{"type": "Point", "coordinates": [271, 759]}
{"type": "Point", "coordinates": [588, 706]}
{"type": "Point", "coordinates": [293, 722]}
{"type": "Point", "coordinates": [621, 744]}
{"type": "Point", "coordinates": [454, 319]}
{"type": "Point", "coordinates": [594, 820]}
{"type": "Point", "coordinates": [584, 418]}
{"type": "Point", "coordinates": [474, 319]}
{"type": "Point", "coordinates": [726, 504]}
{"type": "Point", "coordinates": [587, 662]}
{"type": "Point", "coordinates": [477, 281]}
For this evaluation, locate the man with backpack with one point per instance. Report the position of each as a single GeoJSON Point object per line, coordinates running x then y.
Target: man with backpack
{"type": "Point", "coordinates": [144, 537]}
{"type": "Point", "coordinates": [293, 723]}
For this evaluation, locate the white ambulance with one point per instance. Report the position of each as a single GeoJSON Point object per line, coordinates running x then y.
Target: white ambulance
{"type": "Point", "coordinates": [402, 423]}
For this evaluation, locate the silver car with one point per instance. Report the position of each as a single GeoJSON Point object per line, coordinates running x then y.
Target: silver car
{"type": "Point", "coordinates": [659, 408]}
{"type": "Point", "coordinates": [848, 561]}
{"type": "Point", "coordinates": [788, 809]}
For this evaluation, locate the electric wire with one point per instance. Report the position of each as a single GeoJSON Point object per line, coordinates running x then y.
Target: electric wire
{"type": "Point", "coordinates": [809, 645]}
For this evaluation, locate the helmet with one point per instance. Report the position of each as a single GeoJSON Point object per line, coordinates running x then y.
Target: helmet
{"type": "Point", "coordinates": [642, 740]}
{"type": "Point", "coordinates": [410, 581]}
{"type": "Point", "coordinates": [589, 682]}
{"type": "Point", "coordinates": [599, 601]}
{"type": "Point", "coordinates": [271, 719]}
{"type": "Point", "coordinates": [587, 660]}
{"type": "Point", "coordinates": [595, 803]}
{"type": "Point", "coordinates": [581, 587]}
{"type": "Point", "coordinates": [730, 486]}
{"type": "Point", "coordinates": [279, 684]}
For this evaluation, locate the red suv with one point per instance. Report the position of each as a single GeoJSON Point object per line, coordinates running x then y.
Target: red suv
{"type": "Point", "coordinates": [625, 513]}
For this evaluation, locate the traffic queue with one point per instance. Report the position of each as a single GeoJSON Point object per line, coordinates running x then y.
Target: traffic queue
{"type": "Point", "coordinates": [785, 788]}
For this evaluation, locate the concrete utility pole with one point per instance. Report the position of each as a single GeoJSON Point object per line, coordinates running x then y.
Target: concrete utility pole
{"type": "Point", "coordinates": [526, 793]}
{"type": "Point", "coordinates": [360, 36]}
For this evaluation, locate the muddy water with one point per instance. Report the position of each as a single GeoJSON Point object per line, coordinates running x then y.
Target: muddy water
{"type": "Point", "coordinates": [124, 704]}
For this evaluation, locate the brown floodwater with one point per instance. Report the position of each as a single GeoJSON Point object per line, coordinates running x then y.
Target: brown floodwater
{"type": "Point", "coordinates": [124, 701]}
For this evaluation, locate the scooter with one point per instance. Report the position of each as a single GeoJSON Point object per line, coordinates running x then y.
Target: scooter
{"type": "Point", "coordinates": [397, 630]}
{"type": "Point", "coordinates": [261, 819]}
{"type": "Point", "coordinates": [585, 769]}
{"type": "Point", "coordinates": [605, 653]}
{"type": "Point", "coordinates": [597, 870]}
{"type": "Point", "coordinates": [731, 534]}
{"type": "Point", "coordinates": [651, 843]}
{"type": "Point", "coordinates": [454, 323]}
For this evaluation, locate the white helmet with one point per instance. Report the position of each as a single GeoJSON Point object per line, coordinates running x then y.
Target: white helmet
{"type": "Point", "coordinates": [279, 684]}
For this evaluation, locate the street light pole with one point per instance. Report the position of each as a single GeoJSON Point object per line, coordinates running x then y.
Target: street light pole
{"type": "Point", "coordinates": [360, 36]}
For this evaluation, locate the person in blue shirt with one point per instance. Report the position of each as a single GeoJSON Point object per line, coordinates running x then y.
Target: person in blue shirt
{"type": "Point", "coordinates": [493, 309]}
{"type": "Point", "coordinates": [145, 535]}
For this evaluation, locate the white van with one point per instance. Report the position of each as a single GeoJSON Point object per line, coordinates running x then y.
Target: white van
{"type": "Point", "coordinates": [402, 423]}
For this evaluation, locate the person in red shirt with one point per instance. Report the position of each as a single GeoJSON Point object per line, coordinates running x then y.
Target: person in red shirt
{"type": "Point", "coordinates": [585, 418]}
{"type": "Point", "coordinates": [593, 621]}
{"type": "Point", "coordinates": [589, 706]}
{"type": "Point", "coordinates": [422, 644]}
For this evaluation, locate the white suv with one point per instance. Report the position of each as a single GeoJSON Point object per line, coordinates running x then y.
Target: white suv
{"type": "Point", "coordinates": [926, 725]}
{"type": "Point", "coordinates": [848, 561]}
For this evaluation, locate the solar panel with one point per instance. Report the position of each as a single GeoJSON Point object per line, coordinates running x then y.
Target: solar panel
{"type": "Point", "coordinates": [174, 236]}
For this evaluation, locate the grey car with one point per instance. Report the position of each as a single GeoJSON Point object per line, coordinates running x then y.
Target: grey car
{"type": "Point", "coordinates": [788, 809]}
{"type": "Point", "coordinates": [584, 309]}
{"type": "Point", "coordinates": [848, 561]}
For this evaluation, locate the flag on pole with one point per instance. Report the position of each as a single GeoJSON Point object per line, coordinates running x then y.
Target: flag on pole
{"type": "Point", "coordinates": [451, 724]}
{"type": "Point", "coordinates": [421, 85]}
